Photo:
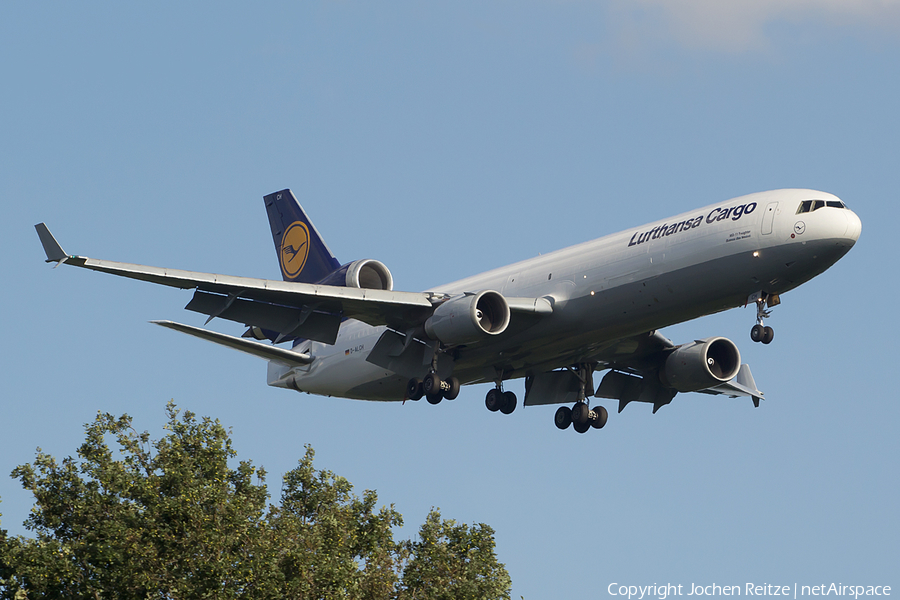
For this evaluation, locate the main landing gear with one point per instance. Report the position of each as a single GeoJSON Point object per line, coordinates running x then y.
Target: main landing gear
{"type": "Point", "coordinates": [496, 399]}
{"type": "Point", "coordinates": [761, 332]}
{"type": "Point", "coordinates": [433, 388]}
{"type": "Point", "coordinates": [581, 416]}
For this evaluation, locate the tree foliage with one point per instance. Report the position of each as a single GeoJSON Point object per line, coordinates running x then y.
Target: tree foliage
{"type": "Point", "coordinates": [453, 562]}
{"type": "Point", "coordinates": [173, 518]}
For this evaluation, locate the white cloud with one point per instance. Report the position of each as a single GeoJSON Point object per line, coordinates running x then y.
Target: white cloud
{"type": "Point", "coordinates": [741, 25]}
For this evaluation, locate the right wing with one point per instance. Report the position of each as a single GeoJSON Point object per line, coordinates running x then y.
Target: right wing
{"type": "Point", "coordinates": [292, 309]}
{"type": "Point", "coordinates": [282, 306]}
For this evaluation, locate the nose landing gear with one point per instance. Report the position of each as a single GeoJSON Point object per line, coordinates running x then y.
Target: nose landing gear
{"type": "Point", "coordinates": [761, 332]}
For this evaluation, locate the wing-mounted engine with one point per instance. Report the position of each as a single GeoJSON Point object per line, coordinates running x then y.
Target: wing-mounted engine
{"type": "Point", "coordinates": [700, 365]}
{"type": "Point", "coordinates": [367, 273]}
{"type": "Point", "coordinates": [468, 318]}
{"type": "Point", "coordinates": [710, 366]}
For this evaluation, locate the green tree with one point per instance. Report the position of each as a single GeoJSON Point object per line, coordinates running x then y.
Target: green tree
{"type": "Point", "coordinates": [171, 519]}
{"type": "Point", "coordinates": [168, 518]}
{"type": "Point", "coordinates": [332, 544]}
{"type": "Point", "coordinates": [453, 562]}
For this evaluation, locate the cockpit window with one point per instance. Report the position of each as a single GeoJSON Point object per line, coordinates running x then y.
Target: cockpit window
{"type": "Point", "coordinates": [812, 205]}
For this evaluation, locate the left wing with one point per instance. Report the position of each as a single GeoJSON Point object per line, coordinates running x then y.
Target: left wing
{"type": "Point", "coordinates": [741, 385]}
{"type": "Point", "coordinates": [633, 375]}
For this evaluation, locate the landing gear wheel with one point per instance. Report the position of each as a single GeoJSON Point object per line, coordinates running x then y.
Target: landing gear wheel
{"type": "Point", "coordinates": [431, 385]}
{"type": "Point", "coordinates": [509, 403]}
{"type": "Point", "coordinates": [600, 420]}
{"type": "Point", "coordinates": [768, 335]}
{"type": "Point", "coordinates": [581, 427]}
{"type": "Point", "coordinates": [414, 389]}
{"type": "Point", "coordinates": [580, 414]}
{"type": "Point", "coordinates": [756, 333]}
{"type": "Point", "coordinates": [563, 417]}
{"type": "Point", "coordinates": [453, 389]}
{"type": "Point", "coordinates": [493, 400]}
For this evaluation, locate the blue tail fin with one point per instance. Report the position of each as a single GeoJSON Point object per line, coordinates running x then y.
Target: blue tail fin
{"type": "Point", "coordinates": [302, 254]}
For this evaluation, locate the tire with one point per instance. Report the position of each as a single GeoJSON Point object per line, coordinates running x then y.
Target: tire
{"type": "Point", "coordinates": [768, 335]}
{"type": "Point", "coordinates": [453, 392]}
{"type": "Point", "coordinates": [581, 428]}
{"type": "Point", "coordinates": [493, 400]}
{"type": "Point", "coordinates": [580, 413]}
{"type": "Point", "coordinates": [509, 403]}
{"type": "Point", "coordinates": [756, 333]}
{"type": "Point", "coordinates": [602, 416]}
{"type": "Point", "coordinates": [431, 385]}
{"type": "Point", "coordinates": [414, 389]}
{"type": "Point", "coordinates": [434, 398]}
{"type": "Point", "coordinates": [563, 417]}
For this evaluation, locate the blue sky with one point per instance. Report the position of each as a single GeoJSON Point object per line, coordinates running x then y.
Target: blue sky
{"type": "Point", "coordinates": [443, 141]}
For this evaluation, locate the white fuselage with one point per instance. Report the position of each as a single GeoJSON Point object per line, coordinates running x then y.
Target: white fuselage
{"type": "Point", "coordinates": [642, 279]}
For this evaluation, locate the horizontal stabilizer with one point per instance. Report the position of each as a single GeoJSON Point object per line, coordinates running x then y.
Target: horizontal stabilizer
{"type": "Point", "coordinates": [250, 347]}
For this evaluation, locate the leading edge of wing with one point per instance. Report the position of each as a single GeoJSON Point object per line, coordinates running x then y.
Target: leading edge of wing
{"type": "Point", "coordinates": [250, 347]}
{"type": "Point", "coordinates": [230, 283]}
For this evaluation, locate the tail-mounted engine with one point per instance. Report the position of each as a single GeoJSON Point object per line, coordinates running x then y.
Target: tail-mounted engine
{"type": "Point", "coordinates": [701, 364]}
{"type": "Point", "coordinates": [367, 273]}
{"type": "Point", "coordinates": [468, 318]}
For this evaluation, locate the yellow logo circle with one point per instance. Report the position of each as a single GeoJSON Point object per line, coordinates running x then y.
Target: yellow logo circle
{"type": "Point", "coordinates": [294, 249]}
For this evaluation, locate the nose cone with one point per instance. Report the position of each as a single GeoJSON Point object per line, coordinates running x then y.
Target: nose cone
{"type": "Point", "coordinates": [854, 227]}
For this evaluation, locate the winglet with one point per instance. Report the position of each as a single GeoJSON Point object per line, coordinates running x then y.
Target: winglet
{"type": "Point", "coordinates": [52, 248]}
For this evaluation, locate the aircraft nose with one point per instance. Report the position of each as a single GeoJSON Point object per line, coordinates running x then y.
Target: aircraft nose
{"type": "Point", "coordinates": [854, 226]}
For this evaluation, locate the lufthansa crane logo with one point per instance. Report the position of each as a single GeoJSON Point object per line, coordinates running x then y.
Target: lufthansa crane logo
{"type": "Point", "coordinates": [294, 249]}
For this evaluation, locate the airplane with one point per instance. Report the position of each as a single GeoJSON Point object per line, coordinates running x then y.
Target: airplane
{"type": "Point", "coordinates": [554, 320]}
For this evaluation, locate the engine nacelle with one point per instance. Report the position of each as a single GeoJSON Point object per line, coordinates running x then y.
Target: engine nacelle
{"type": "Point", "coordinates": [701, 364]}
{"type": "Point", "coordinates": [367, 273]}
{"type": "Point", "coordinates": [468, 318]}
